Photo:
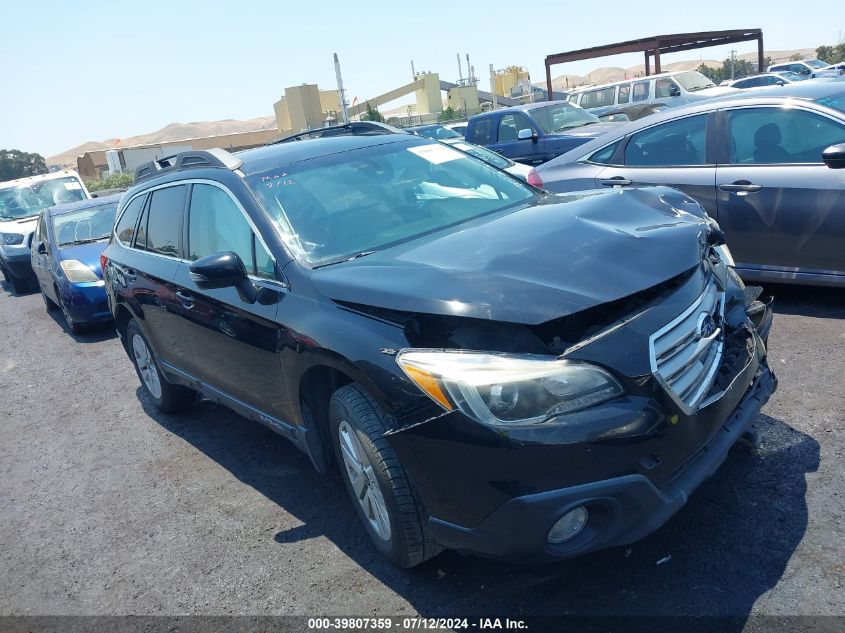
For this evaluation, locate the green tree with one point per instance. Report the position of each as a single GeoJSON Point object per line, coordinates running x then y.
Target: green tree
{"type": "Point", "coordinates": [372, 114]}
{"type": "Point", "coordinates": [831, 54]}
{"type": "Point", "coordinates": [741, 68]}
{"type": "Point", "coordinates": [17, 164]}
{"type": "Point", "coordinates": [450, 114]}
{"type": "Point", "coordinates": [112, 181]}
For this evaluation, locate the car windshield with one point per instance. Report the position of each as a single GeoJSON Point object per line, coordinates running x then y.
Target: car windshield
{"type": "Point", "coordinates": [816, 63]}
{"type": "Point", "coordinates": [85, 225]}
{"type": "Point", "coordinates": [693, 80]}
{"type": "Point", "coordinates": [791, 76]}
{"type": "Point", "coordinates": [835, 101]}
{"type": "Point", "coordinates": [29, 200]}
{"type": "Point", "coordinates": [488, 156]}
{"type": "Point", "coordinates": [337, 207]}
{"type": "Point", "coordinates": [562, 116]}
{"type": "Point", "coordinates": [436, 132]}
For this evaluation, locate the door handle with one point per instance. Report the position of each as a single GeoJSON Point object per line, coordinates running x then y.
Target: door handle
{"type": "Point", "coordinates": [186, 300]}
{"type": "Point", "coordinates": [743, 186]}
{"type": "Point", "coordinates": [616, 181]}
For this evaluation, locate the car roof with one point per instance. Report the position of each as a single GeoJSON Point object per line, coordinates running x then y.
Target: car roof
{"type": "Point", "coordinates": [524, 107]}
{"type": "Point", "coordinates": [59, 209]}
{"type": "Point", "coordinates": [261, 159]}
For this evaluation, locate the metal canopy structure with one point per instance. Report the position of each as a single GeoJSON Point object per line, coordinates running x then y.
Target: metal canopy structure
{"type": "Point", "coordinates": [659, 45]}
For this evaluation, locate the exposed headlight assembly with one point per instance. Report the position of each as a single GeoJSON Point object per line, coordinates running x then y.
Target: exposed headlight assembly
{"type": "Point", "coordinates": [77, 272]}
{"type": "Point", "coordinates": [12, 239]}
{"type": "Point", "coordinates": [507, 388]}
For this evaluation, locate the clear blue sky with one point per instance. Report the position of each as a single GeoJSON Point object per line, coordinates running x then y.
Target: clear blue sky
{"type": "Point", "coordinates": [81, 71]}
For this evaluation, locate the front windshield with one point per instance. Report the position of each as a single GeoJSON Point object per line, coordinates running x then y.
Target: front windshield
{"type": "Point", "coordinates": [488, 156]}
{"type": "Point", "coordinates": [791, 76]}
{"type": "Point", "coordinates": [835, 101]}
{"type": "Point", "coordinates": [85, 225]}
{"type": "Point", "coordinates": [693, 80]}
{"type": "Point", "coordinates": [29, 200]}
{"type": "Point", "coordinates": [336, 207]}
{"type": "Point", "coordinates": [437, 132]}
{"type": "Point", "coordinates": [562, 116]}
{"type": "Point", "coordinates": [816, 63]}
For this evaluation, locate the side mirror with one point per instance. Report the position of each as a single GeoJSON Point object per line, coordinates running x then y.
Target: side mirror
{"type": "Point", "coordinates": [41, 248]}
{"type": "Point", "coordinates": [525, 134]}
{"type": "Point", "coordinates": [834, 156]}
{"type": "Point", "coordinates": [223, 270]}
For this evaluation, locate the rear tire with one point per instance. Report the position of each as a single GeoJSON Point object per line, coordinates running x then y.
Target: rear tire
{"type": "Point", "coordinates": [381, 492]}
{"type": "Point", "coordinates": [167, 397]}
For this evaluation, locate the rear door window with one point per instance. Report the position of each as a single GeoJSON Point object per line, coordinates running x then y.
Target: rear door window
{"type": "Point", "coordinates": [641, 90]}
{"type": "Point", "coordinates": [598, 98]}
{"type": "Point", "coordinates": [672, 144]}
{"type": "Point", "coordinates": [125, 229]}
{"type": "Point", "coordinates": [164, 222]}
{"type": "Point", "coordinates": [624, 93]}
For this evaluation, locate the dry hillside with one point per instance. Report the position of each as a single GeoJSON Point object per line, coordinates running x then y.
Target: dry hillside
{"type": "Point", "coordinates": [172, 132]}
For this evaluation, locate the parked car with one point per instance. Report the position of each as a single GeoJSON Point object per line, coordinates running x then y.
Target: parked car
{"type": "Point", "coordinates": [433, 131]}
{"type": "Point", "coordinates": [460, 127]}
{"type": "Point", "coordinates": [489, 156]}
{"type": "Point", "coordinates": [636, 97]}
{"type": "Point", "coordinates": [807, 67]}
{"type": "Point", "coordinates": [537, 132]}
{"type": "Point", "coordinates": [767, 79]}
{"type": "Point", "coordinates": [65, 255]}
{"type": "Point", "coordinates": [492, 368]}
{"type": "Point", "coordinates": [21, 201]}
{"type": "Point", "coordinates": [763, 165]}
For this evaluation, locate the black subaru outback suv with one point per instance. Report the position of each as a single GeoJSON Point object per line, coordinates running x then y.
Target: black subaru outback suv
{"type": "Point", "coordinates": [493, 369]}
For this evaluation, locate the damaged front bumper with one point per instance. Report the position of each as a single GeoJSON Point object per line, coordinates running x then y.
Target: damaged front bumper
{"type": "Point", "coordinates": [620, 510]}
{"type": "Point", "coordinates": [631, 463]}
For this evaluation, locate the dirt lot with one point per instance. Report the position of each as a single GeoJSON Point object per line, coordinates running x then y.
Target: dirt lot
{"type": "Point", "coordinates": [107, 507]}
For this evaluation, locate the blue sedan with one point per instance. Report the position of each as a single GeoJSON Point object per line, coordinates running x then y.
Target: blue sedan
{"type": "Point", "coordinates": [65, 256]}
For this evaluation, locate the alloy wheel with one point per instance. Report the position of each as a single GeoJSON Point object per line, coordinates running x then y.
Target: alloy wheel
{"type": "Point", "coordinates": [362, 477]}
{"type": "Point", "coordinates": [146, 366]}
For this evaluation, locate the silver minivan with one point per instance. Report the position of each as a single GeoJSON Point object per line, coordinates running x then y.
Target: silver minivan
{"type": "Point", "coordinates": [669, 89]}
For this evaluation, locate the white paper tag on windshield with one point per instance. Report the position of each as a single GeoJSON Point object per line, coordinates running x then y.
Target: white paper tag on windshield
{"type": "Point", "coordinates": [436, 153]}
{"type": "Point", "coordinates": [72, 186]}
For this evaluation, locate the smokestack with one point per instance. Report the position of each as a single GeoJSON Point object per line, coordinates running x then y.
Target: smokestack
{"type": "Point", "coordinates": [460, 72]}
{"type": "Point", "coordinates": [340, 91]}
{"type": "Point", "coordinates": [469, 70]}
{"type": "Point", "coordinates": [413, 72]}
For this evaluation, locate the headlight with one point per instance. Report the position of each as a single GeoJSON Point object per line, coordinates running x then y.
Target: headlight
{"type": "Point", "coordinates": [11, 239]}
{"type": "Point", "coordinates": [77, 272]}
{"type": "Point", "coordinates": [506, 388]}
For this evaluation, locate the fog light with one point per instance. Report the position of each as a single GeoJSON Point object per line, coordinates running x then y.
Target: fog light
{"type": "Point", "coordinates": [569, 525]}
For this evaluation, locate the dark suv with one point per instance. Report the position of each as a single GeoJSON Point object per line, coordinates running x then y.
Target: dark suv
{"type": "Point", "coordinates": [493, 368]}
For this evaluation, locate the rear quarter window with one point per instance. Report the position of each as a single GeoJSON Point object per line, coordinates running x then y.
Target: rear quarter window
{"type": "Point", "coordinates": [125, 228]}
{"type": "Point", "coordinates": [482, 131]}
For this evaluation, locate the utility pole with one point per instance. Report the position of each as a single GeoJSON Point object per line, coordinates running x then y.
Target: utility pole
{"type": "Point", "coordinates": [493, 87]}
{"type": "Point", "coordinates": [733, 62]}
{"type": "Point", "coordinates": [340, 91]}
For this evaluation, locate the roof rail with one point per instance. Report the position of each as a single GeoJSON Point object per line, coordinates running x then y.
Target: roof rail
{"type": "Point", "coordinates": [353, 128]}
{"type": "Point", "coordinates": [215, 157]}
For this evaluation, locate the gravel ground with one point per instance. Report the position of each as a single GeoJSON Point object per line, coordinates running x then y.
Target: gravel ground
{"type": "Point", "coordinates": [108, 507]}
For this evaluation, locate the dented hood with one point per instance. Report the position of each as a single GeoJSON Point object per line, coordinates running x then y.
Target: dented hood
{"type": "Point", "coordinates": [558, 257]}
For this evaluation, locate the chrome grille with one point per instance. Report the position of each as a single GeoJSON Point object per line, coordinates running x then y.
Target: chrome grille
{"type": "Point", "coordinates": [686, 352]}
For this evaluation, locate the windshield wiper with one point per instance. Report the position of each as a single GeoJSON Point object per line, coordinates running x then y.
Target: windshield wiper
{"type": "Point", "coordinates": [87, 241]}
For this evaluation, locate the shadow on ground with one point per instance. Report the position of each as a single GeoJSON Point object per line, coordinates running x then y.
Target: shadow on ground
{"type": "Point", "coordinates": [719, 554]}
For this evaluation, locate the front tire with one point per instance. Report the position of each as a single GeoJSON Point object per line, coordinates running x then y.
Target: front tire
{"type": "Point", "coordinates": [168, 398]}
{"type": "Point", "coordinates": [49, 305]}
{"type": "Point", "coordinates": [374, 477]}
{"type": "Point", "coordinates": [73, 326]}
